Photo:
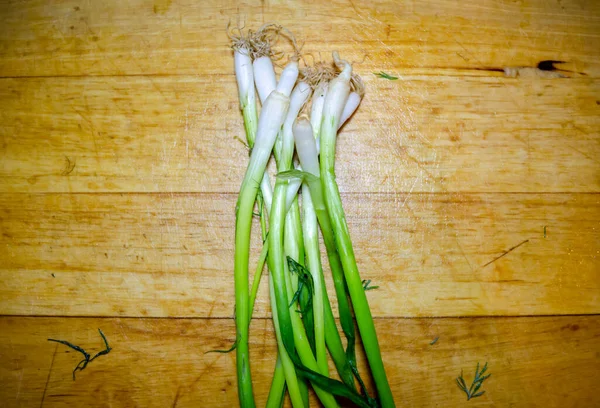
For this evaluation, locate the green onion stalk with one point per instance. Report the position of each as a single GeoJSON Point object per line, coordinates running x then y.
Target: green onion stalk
{"type": "Point", "coordinates": [344, 361]}
{"type": "Point", "coordinates": [292, 330]}
{"type": "Point", "coordinates": [291, 327]}
{"type": "Point", "coordinates": [265, 81]}
{"type": "Point", "coordinates": [297, 389]}
{"type": "Point", "coordinates": [313, 257]}
{"type": "Point", "coordinates": [271, 119]}
{"type": "Point", "coordinates": [345, 364]}
{"type": "Point", "coordinates": [337, 95]}
{"type": "Point", "coordinates": [308, 151]}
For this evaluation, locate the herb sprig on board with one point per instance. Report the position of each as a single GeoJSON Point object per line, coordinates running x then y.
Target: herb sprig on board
{"type": "Point", "coordinates": [473, 390]}
{"type": "Point", "coordinates": [87, 358]}
{"type": "Point", "coordinates": [385, 75]}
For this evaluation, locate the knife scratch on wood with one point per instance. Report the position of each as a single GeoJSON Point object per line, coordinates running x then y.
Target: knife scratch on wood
{"type": "Point", "coordinates": [505, 253]}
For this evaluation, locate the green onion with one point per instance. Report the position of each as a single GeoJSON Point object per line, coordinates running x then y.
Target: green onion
{"type": "Point", "coordinates": [304, 324]}
{"type": "Point", "coordinates": [338, 92]}
{"type": "Point", "coordinates": [271, 119]}
{"type": "Point", "coordinates": [307, 153]}
{"type": "Point", "coordinates": [245, 80]}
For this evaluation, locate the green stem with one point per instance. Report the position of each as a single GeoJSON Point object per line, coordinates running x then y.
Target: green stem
{"type": "Point", "coordinates": [289, 371]}
{"type": "Point", "coordinates": [294, 247]}
{"type": "Point", "coordinates": [284, 365]}
{"type": "Point", "coordinates": [293, 242]}
{"type": "Point", "coordinates": [303, 384]}
{"type": "Point", "coordinates": [272, 116]}
{"type": "Point", "coordinates": [244, 307]}
{"type": "Point", "coordinates": [250, 122]}
{"type": "Point", "coordinates": [304, 136]}
{"type": "Point", "coordinates": [313, 257]}
{"type": "Point", "coordinates": [277, 391]}
{"type": "Point", "coordinates": [335, 346]}
{"type": "Point", "coordinates": [257, 275]}
{"type": "Point", "coordinates": [362, 312]}
{"type": "Point", "coordinates": [291, 329]}
{"type": "Point", "coordinates": [289, 241]}
{"type": "Point", "coordinates": [339, 281]}
{"type": "Point", "coordinates": [242, 301]}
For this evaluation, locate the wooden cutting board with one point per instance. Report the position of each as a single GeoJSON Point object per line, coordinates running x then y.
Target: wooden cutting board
{"type": "Point", "coordinates": [470, 184]}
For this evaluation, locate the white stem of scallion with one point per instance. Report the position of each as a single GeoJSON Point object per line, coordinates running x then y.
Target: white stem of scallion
{"type": "Point", "coordinates": [316, 111]}
{"type": "Point", "coordinates": [264, 77]}
{"type": "Point", "coordinates": [245, 79]}
{"type": "Point", "coordinates": [285, 85]}
{"type": "Point", "coordinates": [306, 146]}
{"type": "Point", "coordinates": [265, 82]}
{"type": "Point", "coordinates": [292, 191]}
{"type": "Point", "coordinates": [244, 74]}
{"type": "Point", "coordinates": [267, 192]}
{"type": "Point", "coordinates": [288, 78]}
{"type": "Point", "coordinates": [351, 105]}
{"type": "Point", "coordinates": [299, 96]}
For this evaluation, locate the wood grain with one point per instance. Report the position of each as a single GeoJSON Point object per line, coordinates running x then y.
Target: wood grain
{"type": "Point", "coordinates": [468, 193]}
{"type": "Point", "coordinates": [188, 37]}
{"type": "Point", "coordinates": [171, 254]}
{"type": "Point", "coordinates": [421, 134]}
{"type": "Point", "coordinates": [534, 362]}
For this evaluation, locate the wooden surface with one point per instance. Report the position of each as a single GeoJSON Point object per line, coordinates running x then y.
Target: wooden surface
{"type": "Point", "coordinates": [119, 170]}
{"type": "Point", "coordinates": [534, 361]}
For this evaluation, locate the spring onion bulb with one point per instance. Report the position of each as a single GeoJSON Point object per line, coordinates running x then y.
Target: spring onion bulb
{"type": "Point", "coordinates": [350, 107]}
{"type": "Point", "coordinates": [316, 112]}
{"type": "Point", "coordinates": [265, 82]}
{"type": "Point", "coordinates": [288, 77]}
{"type": "Point", "coordinates": [264, 77]}
{"type": "Point", "coordinates": [245, 79]}
{"type": "Point", "coordinates": [306, 146]}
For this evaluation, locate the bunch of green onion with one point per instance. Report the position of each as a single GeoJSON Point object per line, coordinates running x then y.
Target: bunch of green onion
{"type": "Point", "coordinates": [300, 132]}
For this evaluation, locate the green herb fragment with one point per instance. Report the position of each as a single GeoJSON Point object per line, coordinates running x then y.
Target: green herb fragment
{"type": "Point", "coordinates": [383, 75]}
{"type": "Point", "coordinates": [434, 341]}
{"type": "Point", "coordinates": [305, 283]}
{"type": "Point", "coordinates": [472, 391]}
{"type": "Point", "coordinates": [366, 283]}
{"type": "Point", "coordinates": [229, 350]}
{"type": "Point", "coordinates": [86, 356]}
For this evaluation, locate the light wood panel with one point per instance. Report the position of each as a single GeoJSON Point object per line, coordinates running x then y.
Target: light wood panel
{"type": "Point", "coordinates": [172, 254]}
{"type": "Point", "coordinates": [534, 362]}
{"type": "Point", "coordinates": [422, 134]}
{"type": "Point", "coordinates": [167, 37]}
